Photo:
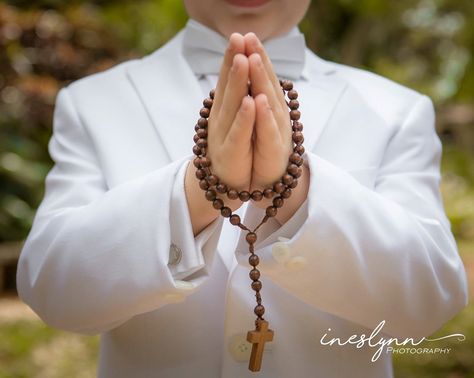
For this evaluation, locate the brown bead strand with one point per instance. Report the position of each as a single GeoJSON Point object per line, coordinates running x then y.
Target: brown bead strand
{"type": "Point", "coordinates": [279, 191]}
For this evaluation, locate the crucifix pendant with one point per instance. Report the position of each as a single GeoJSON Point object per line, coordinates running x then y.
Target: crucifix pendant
{"type": "Point", "coordinates": [258, 338]}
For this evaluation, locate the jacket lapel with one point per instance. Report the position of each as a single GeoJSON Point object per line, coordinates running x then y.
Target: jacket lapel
{"type": "Point", "coordinates": [318, 97]}
{"type": "Point", "coordinates": [171, 96]}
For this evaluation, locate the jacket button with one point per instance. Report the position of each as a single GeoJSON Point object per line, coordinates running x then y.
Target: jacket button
{"type": "Point", "coordinates": [296, 263]}
{"type": "Point", "coordinates": [185, 285]}
{"type": "Point", "coordinates": [280, 252]}
{"type": "Point", "coordinates": [240, 348]}
{"type": "Point", "coordinates": [175, 254]}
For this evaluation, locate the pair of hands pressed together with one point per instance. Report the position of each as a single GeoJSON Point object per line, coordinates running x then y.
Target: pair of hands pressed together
{"type": "Point", "coordinates": [249, 137]}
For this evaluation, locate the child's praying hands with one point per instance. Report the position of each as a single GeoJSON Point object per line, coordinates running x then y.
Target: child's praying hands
{"type": "Point", "coordinates": [249, 139]}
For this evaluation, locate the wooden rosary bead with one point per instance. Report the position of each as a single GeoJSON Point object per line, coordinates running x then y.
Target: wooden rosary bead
{"type": "Point", "coordinates": [259, 310]}
{"type": "Point", "coordinates": [196, 127]}
{"type": "Point", "coordinates": [226, 212]}
{"type": "Point", "coordinates": [295, 115]}
{"type": "Point", "coordinates": [244, 196]}
{"type": "Point", "coordinates": [271, 211]}
{"type": "Point", "coordinates": [217, 204]}
{"type": "Point", "coordinates": [292, 169]}
{"type": "Point", "coordinates": [287, 179]}
{"type": "Point", "coordinates": [205, 162]}
{"type": "Point", "coordinates": [268, 193]}
{"type": "Point", "coordinates": [297, 126]}
{"type": "Point", "coordinates": [202, 123]}
{"type": "Point", "coordinates": [278, 187]}
{"type": "Point", "coordinates": [196, 150]}
{"type": "Point", "coordinates": [208, 102]}
{"type": "Point", "coordinates": [251, 237]}
{"type": "Point", "coordinates": [200, 174]}
{"type": "Point", "coordinates": [295, 158]}
{"type": "Point", "coordinates": [212, 93]}
{"type": "Point", "coordinates": [254, 260]}
{"type": "Point", "coordinates": [287, 85]}
{"type": "Point", "coordinates": [293, 184]}
{"type": "Point", "coordinates": [234, 219]}
{"type": "Point", "coordinates": [195, 138]}
{"type": "Point", "coordinates": [254, 274]}
{"type": "Point", "coordinates": [256, 285]}
{"type": "Point", "coordinates": [202, 143]}
{"type": "Point", "coordinates": [212, 180]}
{"type": "Point", "coordinates": [210, 195]}
{"type": "Point", "coordinates": [298, 173]}
{"type": "Point", "coordinates": [197, 162]}
{"type": "Point", "coordinates": [221, 188]}
{"type": "Point", "coordinates": [286, 194]}
{"type": "Point", "coordinates": [299, 149]}
{"type": "Point", "coordinates": [201, 133]}
{"type": "Point", "coordinates": [257, 195]}
{"type": "Point", "coordinates": [292, 95]}
{"type": "Point", "coordinates": [293, 104]}
{"type": "Point", "coordinates": [233, 194]}
{"type": "Point", "coordinates": [204, 113]}
{"type": "Point", "coordinates": [278, 202]}
{"type": "Point", "coordinates": [298, 137]}
{"type": "Point", "coordinates": [203, 184]}
{"type": "Point", "coordinates": [300, 163]}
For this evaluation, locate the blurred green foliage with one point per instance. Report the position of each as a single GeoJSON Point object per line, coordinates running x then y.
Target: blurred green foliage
{"type": "Point", "coordinates": [425, 44]}
{"type": "Point", "coordinates": [45, 44]}
{"type": "Point", "coordinates": [29, 348]}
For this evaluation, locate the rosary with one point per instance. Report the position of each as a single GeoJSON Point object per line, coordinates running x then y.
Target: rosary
{"type": "Point", "coordinates": [280, 190]}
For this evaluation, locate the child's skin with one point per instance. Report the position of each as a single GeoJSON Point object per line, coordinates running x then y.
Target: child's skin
{"type": "Point", "coordinates": [249, 139]}
{"type": "Point", "coordinates": [266, 18]}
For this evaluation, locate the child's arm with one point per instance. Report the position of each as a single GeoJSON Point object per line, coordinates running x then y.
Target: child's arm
{"type": "Point", "coordinates": [97, 256]}
{"type": "Point", "coordinates": [368, 253]}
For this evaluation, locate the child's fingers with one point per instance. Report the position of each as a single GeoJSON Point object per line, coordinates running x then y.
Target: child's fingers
{"type": "Point", "coordinates": [254, 46]}
{"type": "Point", "coordinates": [236, 46]}
{"type": "Point", "coordinates": [266, 129]}
{"type": "Point", "coordinates": [261, 83]}
{"type": "Point", "coordinates": [235, 90]}
{"type": "Point", "coordinates": [240, 134]}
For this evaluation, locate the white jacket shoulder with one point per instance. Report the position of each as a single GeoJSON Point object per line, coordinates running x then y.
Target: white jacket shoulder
{"type": "Point", "coordinates": [104, 85]}
{"type": "Point", "coordinates": [391, 100]}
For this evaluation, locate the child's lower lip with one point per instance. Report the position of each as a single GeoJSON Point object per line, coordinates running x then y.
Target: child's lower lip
{"type": "Point", "coordinates": [247, 3]}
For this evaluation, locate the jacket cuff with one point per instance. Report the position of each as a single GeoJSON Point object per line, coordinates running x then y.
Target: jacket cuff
{"type": "Point", "coordinates": [189, 253]}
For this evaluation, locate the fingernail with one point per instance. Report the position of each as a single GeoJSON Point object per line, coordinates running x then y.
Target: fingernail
{"type": "Point", "coordinates": [265, 102]}
{"type": "Point", "coordinates": [258, 60]}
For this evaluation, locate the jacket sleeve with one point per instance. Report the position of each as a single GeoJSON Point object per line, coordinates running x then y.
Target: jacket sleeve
{"type": "Point", "coordinates": [95, 257]}
{"type": "Point", "coordinates": [368, 250]}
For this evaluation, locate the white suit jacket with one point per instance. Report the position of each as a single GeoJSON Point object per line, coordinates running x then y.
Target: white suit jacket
{"type": "Point", "coordinates": [112, 252]}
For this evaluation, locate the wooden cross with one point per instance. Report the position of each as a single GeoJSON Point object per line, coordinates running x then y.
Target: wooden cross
{"type": "Point", "coordinates": [258, 338]}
